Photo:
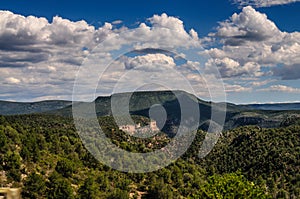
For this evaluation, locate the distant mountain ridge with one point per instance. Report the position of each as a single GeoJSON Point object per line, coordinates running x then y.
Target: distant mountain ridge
{"type": "Point", "coordinates": [275, 106]}
{"type": "Point", "coordinates": [264, 115]}
{"type": "Point", "coordinates": [19, 108]}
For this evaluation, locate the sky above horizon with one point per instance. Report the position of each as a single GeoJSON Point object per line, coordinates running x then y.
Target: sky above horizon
{"type": "Point", "coordinates": [251, 46]}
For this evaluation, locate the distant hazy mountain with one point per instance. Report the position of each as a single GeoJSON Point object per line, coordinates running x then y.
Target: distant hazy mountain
{"type": "Point", "coordinates": [264, 115]}
{"type": "Point", "coordinates": [16, 108]}
{"type": "Point", "coordinates": [274, 107]}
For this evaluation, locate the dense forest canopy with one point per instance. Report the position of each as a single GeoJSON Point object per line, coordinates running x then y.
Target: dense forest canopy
{"type": "Point", "coordinates": [44, 156]}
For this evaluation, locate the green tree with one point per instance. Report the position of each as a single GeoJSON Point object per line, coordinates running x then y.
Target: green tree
{"type": "Point", "coordinates": [89, 190]}
{"type": "Point", "coordinates": [3, 140]}
{"type": "Point", "coordinates": [118, 194]}
{"type": "Point", "coordinates": [160, 191]}
{"type": "Point", "coordinates": [59, 188]}
{"type": "Point", "coordinates": [65, 167]}
{"type": "Point", "coordinates": [34, 187]}
{"type": "Point", "coordinates": [12, 161]}
{"type": "Point", "coordinates": [232, 185]}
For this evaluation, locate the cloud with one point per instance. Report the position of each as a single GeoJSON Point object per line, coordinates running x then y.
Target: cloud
{"type": "Point", "coordinates": [230, 68]}
{"type": "Point", "coordinates": [165, 21]}
{"type": "Point", "coordinates": [281, 88]}
{"type": "Point", "coordinates": [150, 62]}
{"type": "Point", "coordinates": [249, 25]}
{"type": "Point", "coordinates": [116, 22]}
{"type": "Point", "coordinates": [288, 72]}
{"type": "Point", "coordinates": [24, 33]}
{"type": "Point", "coordinates": [12, 80]}
{"type": "Point", "coordinates": [26, 41]}
{"type": "Point", "coordinates": [250, 37]}
{"type": "Point", "coordinates": [164, 32]}
{"type": "Point", "coordinates": [234, 88]}
{"type": "Point", "coordinates": [263, 3]}
{"type": "Point", "coordinates": [259, 83]}
{"type": "Point", "coordinates": [40, 58]}
{"type": "Point", "coordinates": [45, 55]}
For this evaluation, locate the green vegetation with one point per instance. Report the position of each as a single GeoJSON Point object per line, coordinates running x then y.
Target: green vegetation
{"type": "Point", "coordinates": [267, 156]}
{"type": "Point", "coordinates": [232, 185]}
{"type": "Point", "coordinates": [44, 156]}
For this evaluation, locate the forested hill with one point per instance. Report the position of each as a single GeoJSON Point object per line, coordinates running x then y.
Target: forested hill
{"type": "Point", "coordinates": [43, 155]}
{"type": "Point", "coordinates": [18, 108]}
{"type": "Point", "coordinates": [141, 102]}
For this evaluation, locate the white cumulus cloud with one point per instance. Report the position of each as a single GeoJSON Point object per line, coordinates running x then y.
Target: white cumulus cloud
{"type": "Point", "coordinates": [263, 3]}
{"type": "Point", "coordinates": [250, 37]}
{"type": "Point", "coordinates": [231, 68]}
{"type": "Point", "coordinates": [45, 55]}
{"type": "Point", "coordinates": [150, 62]}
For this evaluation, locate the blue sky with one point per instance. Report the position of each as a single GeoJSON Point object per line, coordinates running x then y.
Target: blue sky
{"type": "Point", "coordinates": [257, 57]}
